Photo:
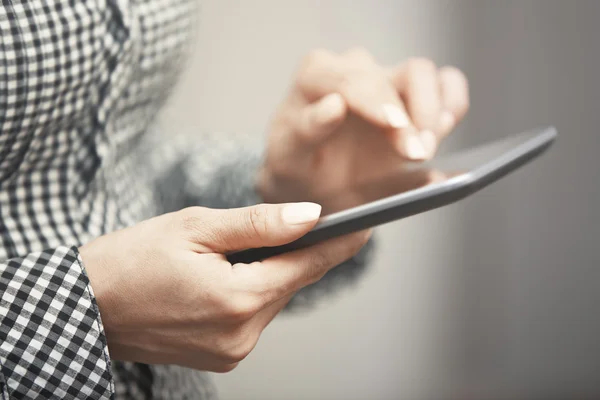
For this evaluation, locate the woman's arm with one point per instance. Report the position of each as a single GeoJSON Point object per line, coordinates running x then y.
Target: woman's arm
{"type": "Point", "coordinates": [165, 293]}
{"type": "Point", "coordinates": [52, 342]}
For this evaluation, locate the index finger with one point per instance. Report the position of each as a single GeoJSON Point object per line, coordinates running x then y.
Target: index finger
{"type": "Point", "coordinates": [418, 83]}
{"type": "Point", "coordinates": [356, 77]}
{"type": "Point", "coordinates": [279, 276]}
{"type": "Point", "coordinates": [368, 93]}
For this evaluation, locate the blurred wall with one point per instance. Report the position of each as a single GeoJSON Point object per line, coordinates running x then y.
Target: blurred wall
{"type": "Point", "coordinates": [497, 293]}
{"type": "Point", "coordinates": [530, 243]}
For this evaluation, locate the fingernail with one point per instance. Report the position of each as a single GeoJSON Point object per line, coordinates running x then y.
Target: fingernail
{"type": "Point", "coordinates": [429, 140]}
{"type": "Point", "coordinates": [447, 121]}
{"type": "Point", "coordinates": [395, 116]}
{"type": "Point", "coordinates": [414, 147]}
{"type": "Point", "coordinates": [300, 213]}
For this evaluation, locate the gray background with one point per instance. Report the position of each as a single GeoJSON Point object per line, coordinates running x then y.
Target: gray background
{"type": "Point", "coordinates": [495, 296]}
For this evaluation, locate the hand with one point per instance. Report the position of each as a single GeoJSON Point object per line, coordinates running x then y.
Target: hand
{"type": "Point", "coordinates": [347, 120]}
{"type": "Point", "coordinates": [167, 295]}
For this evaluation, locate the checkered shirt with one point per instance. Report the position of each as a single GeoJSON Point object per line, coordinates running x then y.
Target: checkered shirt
{"type": "Point", "coordinates": [81, 155]}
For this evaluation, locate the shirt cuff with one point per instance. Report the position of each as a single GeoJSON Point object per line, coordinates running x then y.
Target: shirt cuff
{"type": "Point", "coordinates": [52, 342]}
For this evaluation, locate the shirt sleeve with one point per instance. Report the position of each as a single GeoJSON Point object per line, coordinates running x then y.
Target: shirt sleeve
{"type": "Point", "coordinates": [218, 171]}
{"type": "Point", "coordinates": [52, 343]}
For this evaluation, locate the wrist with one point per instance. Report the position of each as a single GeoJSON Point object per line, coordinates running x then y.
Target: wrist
{"type": "Point", "coordinates": [96, 269]}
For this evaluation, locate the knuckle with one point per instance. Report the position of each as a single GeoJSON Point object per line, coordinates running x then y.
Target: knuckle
{"type": "Point", "coordinates": [354, 243]}
{"type": "Point", "coordinates": [320, 263]}
{"type": "Point", "coordinates": [357, 81]}
{"type": "Point", "coordinates": [258, 220]}
{"type": "Point", "coordinates": [315, 276]}
{"type": "Point", "coordinates": [316, 56]}
{"type": "Point", "coordinates": [347, 81]}
{"type": "Point", "coordinates": [189, 218]}
{"type": "Point", "coordinates": [237, 346]}
{"type": "Point", "coordinates": [323, 260]}
{"type": "Point", "coordinates": [195, 223]}
{"type": "Point", "coordinates": [360, 53]}
{"type": "Point", "coordinates": [462, 108]}
{"type": "Point", "coordinates": [333, 255]}
{"type": "Point", "coordinates": [418, 64]}
{"type": "Point", "coordinates": [240, 352]}
{"type": "Point", "coordinates": [453, 73]}
{"type": "Point", "coordinates": [358, 242]}
{"type": "Point", "coordinates": [310, 65]}
{"type": "Point", "coordinates": [241, 308]}
{"type": "Point", "coordinates": [315, 64]}
{"type": "Point", "coordinates": [457, 79]}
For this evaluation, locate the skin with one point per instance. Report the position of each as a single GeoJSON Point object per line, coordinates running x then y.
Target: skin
{"type": "Point", "coordinates": [332, 130]}
{"type": "Point", "coordinates": [166, 293]}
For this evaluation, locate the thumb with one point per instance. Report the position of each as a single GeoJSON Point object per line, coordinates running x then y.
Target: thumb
{"type": "Point", "coordinates": [262, 225]}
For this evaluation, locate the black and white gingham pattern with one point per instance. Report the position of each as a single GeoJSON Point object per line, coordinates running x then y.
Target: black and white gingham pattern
{"type": "Point", "coordinates": [81, 155]}
{"type": "Point", "coordinates": [50, 331]}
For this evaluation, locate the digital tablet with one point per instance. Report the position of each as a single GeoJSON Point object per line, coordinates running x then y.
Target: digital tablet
{"type": "Point", "coordinates": [414, 188]}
